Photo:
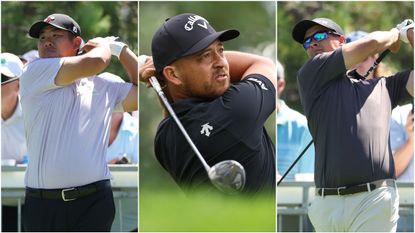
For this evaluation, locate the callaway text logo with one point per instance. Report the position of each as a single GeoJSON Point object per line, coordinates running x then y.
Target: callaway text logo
{"type": "Point", "coordinates": [192, 19]}
{"type": "Point", "coordinates": [261, 84]}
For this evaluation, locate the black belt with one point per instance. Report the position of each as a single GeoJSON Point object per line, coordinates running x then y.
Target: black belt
{"type": "Point", "coordinates": [346, 190]}
{"type": "Point", "coordinates": [68, 194]}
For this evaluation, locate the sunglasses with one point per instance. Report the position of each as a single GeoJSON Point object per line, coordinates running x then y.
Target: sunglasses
{"type": "Point", "coordinates": [318, 36]}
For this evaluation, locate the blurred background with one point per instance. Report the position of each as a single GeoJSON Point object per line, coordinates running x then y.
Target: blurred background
{"type": "Point", "coordinates": [163, 207]}
{"type": "Point", "coordinates": [293, 197]}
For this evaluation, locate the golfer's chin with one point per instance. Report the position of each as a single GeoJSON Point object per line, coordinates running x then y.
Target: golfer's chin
{"type": "Point", "coordinates": [49, 55]}
{"type": "Point", "coordinates": [221, 90]}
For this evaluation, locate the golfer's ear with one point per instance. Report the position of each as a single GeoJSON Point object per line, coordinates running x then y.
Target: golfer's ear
{"type": "Point", "coordinates": [170, 74]}
{"type": "Point", "coordinates": [77, 41]}
{"type": "Point", "coordinates": [342, 39]}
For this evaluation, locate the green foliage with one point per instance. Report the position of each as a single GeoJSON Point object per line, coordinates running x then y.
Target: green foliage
{"type": "Point", "coordinates": [172, 211]}
{"type": "Point", "coordinates": [96, 19]}
{"type": "Point", "coordinates": [351, 16]}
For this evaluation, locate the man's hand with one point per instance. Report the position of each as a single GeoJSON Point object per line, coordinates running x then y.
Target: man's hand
{"type": "Point", "coordinates": [394, 48]}
{"type": "Point", "coordinates": [95, 42]}
{"type": "Point", "coordinates": [147, 70]}
{"type": "Point", "coordinates": [403, 29]}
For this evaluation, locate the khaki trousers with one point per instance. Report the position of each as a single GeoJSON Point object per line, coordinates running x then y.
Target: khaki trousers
{"type": "Point", "coordinates": [375, 211]}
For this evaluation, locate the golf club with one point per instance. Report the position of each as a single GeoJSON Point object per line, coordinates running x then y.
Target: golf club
{"type": "Point", "coordinates": [229, 175]}
{"type": "Point", "coordinates": [376, 63]}
{"type": "Point", "coordinates": [295, 162]}
{"type": "Point", "coordinates": [371, 69]}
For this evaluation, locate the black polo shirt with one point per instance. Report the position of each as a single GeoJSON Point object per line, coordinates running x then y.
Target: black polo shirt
{"type": "Point", "coordinates": [230, 127]}
{"type": "Point", "coordinates": [349, 120]}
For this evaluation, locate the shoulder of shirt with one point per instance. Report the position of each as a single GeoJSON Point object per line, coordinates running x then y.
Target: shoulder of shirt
{"type": "Point", "coordinates": [39, 61]}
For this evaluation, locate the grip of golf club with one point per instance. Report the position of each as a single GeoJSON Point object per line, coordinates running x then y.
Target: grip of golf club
{"type": "Point", "coordinates": [156, 85]}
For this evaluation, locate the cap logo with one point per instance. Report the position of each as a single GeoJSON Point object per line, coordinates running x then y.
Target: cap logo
{"type": "Point", "coordinates": [323, 22]}
{"type": "Point", "coordinates": [192, 20]}
{"type": "Point", "coordinates": [3, 61]}
{"type": "Point", "coordinates": [74, 29]}
{"type": "Point", "coordinates": [49, 19]}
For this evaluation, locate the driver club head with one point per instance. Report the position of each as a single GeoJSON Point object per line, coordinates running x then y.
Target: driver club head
{"type": "Point", "coordinates": [228, 176]}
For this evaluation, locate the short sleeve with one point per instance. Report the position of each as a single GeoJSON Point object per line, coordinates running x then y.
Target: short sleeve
{"type": "Point", "coordinates": [316, 73]}
{"type": "Point", "coordinates": [39, 76]}
{"type": "Point", "coordinates": [251, 100]}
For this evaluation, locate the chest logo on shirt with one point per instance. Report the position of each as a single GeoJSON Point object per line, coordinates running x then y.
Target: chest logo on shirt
{"type": "Point", "coordinates": [206, 128]}
{"type": "Point", "coordinates": [260, 83]}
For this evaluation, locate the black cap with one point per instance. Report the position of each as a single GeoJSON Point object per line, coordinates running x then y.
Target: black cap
{"type": "Point", "coordinates": [183, 35]}
{"type": "Point", "coordinates": [301, 27]}
{"type": "Point", "coordinates": [60, 21]}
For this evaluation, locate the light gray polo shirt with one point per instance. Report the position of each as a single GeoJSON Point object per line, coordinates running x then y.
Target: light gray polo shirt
{"type": "Point", "coordinates": [349, 120]}
{"type": "Point", "coordinates": [67, 127]}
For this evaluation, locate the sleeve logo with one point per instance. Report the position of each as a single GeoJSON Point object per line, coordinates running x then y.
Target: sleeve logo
{"type": "Point", "coordinates": [260, 83]}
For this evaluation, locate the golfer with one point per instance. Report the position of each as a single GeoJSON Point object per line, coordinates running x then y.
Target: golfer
{"type": "Point", "coordinates": [67, 110]}
{"type": "Point", "coordinates": [349, 122]}
{"type": "Point", "coordinates": [222, 99]}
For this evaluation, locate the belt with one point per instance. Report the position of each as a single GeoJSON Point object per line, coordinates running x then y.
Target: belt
{"type": "Point", "coordinates": [68, 194]}
{"type": "Point", "coordinates": [346, 190]}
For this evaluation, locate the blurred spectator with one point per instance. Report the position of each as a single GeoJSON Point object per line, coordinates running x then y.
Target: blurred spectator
{"type": "Point", "coordinates": [12, 130]}
{"type": "Point", "coordinates": [123, 139]}
{"type": "Point", "coordinates": [123, 149]}
{"type": "Point", "coordinates": [292, 136]}
{"type": "Point", "coordinates": [402, 142]}
{"type": "Point", "coordinates": [13, 142]}
{"type": "Point", "coordinates": [29, 56]}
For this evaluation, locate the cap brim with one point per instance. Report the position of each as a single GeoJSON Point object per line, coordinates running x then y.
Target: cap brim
{"type": "Point", "coordinates": [205, 42]}
{"type": "Point", "coordinates": [300, 29]}
{"type": "Point", "coordinates": [35, 29]}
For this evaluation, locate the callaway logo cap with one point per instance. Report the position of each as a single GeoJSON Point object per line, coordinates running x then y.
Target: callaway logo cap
{"type": "Point", "coordinates": [301, 27]}
{"type": "Point", "coordinates": [11, 66]}
{"type": "Point", "coordinates": [183, 35]}
{"type": "Point", "coordinates": [60, 21]}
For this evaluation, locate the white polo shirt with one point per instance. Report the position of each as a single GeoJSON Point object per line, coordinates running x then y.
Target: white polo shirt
{"type": "Point", "coordinates": [13, 141]}
{"type": "Point", "coordinates": [67, 127]}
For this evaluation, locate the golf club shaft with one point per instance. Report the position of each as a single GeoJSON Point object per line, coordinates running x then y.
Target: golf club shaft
{"type": "Point", "coordinates": [295, 162]}
{"type": "Point", "coordinates": [376, 63]}
{"type": "Point", "coordinates": [157, 87]}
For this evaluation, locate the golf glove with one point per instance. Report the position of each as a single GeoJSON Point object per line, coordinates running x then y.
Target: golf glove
{"type": "Point", "coordinates": [115, 46]}
{"type": "Point", "coordinates": [142, 59]}
{"type": "Point", "coordinates": [403, 29]}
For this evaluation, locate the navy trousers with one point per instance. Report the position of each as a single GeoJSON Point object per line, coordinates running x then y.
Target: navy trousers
{"type": "Point", "coordinates": [94, 212]}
